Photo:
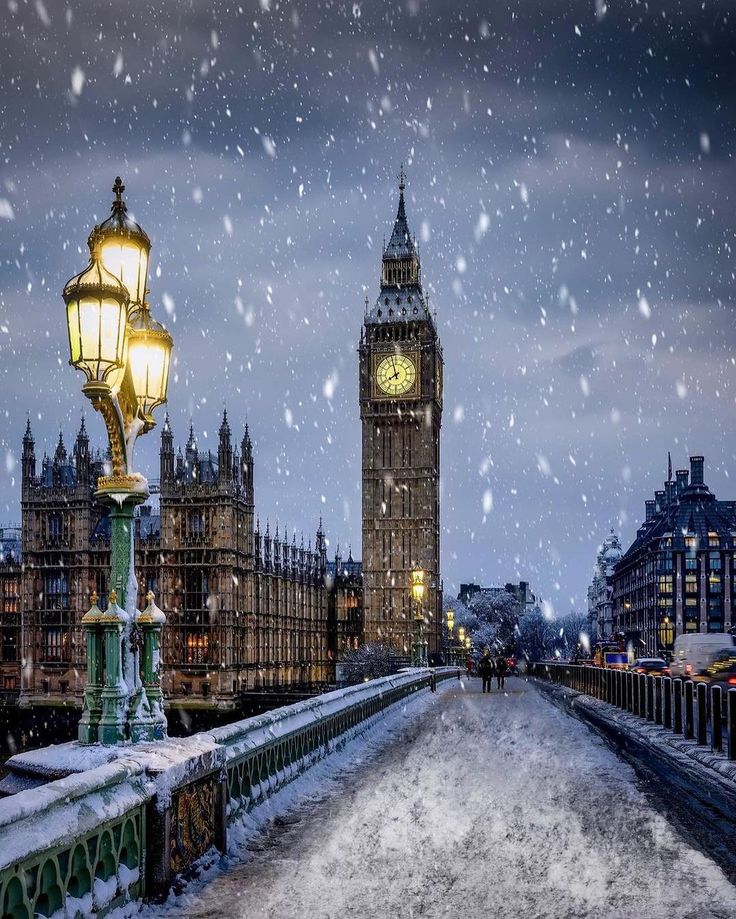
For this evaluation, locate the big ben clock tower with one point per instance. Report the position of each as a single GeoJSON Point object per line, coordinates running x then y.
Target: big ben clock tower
{"type": "Point", "coordinates": [401, 413]}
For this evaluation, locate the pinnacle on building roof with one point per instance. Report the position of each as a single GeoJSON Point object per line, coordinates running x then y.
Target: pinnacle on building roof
{"type": "Point", "coordinates": [224, 427]}
{"type": "Point", "coordinates": [28, 436]}
{"type": "Point", "coordinates": [400, 245]}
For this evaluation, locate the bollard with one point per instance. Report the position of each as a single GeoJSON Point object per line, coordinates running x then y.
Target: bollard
{"type": "Point", "coordinates": [620, 688]}
{"type": "Point", "coordinates": [624, 691]}
{"type": "Point", "coordinates": [650, 697]}
{"type": "Point", "coordinates": [642, 695]}
{"type": "Point", "coordinates": [732, 723]}
{"type": "Point", "coordinates": [658, 700]}
{"type": "Point", "coordinates": [630, 691]}
{"type": "Point", "coordinates": [677, 696]}
{"type": "Point", "coordinates": [702, 694]}
{"type": "Point", "coordinates": [634, 694]}
{"type": "Point", "coordinates": [667, 698]}
{"type": "Point", "coordinates": [689, 720]}
{"type": "Point", "coordinates": [716, 740]}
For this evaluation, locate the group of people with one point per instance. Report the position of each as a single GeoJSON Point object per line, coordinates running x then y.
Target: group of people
{"type": "Point", "coordinates": [488, 667]}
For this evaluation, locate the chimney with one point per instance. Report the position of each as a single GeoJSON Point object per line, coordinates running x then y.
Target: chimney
{"type": "Point", "coordinates": [669, 490]}
{"type": "Point", "coordinates": [659, 500]}
{"type": "Point", "coordinates": [650, 509]}
{"type": "Point", "coordinates": [696, 470]}
{"type": "Point", "coordinates": [682, 477]}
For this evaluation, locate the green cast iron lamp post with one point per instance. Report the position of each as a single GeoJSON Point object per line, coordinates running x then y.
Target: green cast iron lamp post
{"type": "Point", "coordinates": [125, 356]}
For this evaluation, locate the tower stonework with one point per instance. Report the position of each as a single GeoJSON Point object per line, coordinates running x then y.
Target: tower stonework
{"type": "Point", "coordinates": [400, 390]}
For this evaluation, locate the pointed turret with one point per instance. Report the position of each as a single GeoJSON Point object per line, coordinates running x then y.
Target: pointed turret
{"type": "Point", "coordinates": [191, 456]}
{"type": "Point", "coordinates": [166, 455]}
{"type": "Point", "coordinates": [257, 544]}
{"type": "Point", "coordinates": [224, 453]}
{"type": "Point", "coordinates": [81, 455]}
{"type": "Point", "coordinates": [267, 560]}
{"type": "Point", "coordinates": [29, 456]}
{"type": "Point", "coordinates": [246, 466]}
{"type": "Point", "coordinates": [401, 297]}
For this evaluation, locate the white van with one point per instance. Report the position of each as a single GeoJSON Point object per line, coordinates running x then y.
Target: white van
{"type": "Point", "coordinates": [695, 651]}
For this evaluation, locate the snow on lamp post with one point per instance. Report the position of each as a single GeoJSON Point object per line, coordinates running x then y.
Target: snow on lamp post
{"type": "Point", "coordinates": [417, 593]}
{"type": "Point", "coordinates": [450, 620]}
{"type": "Point", "coordinates": [125, 356]}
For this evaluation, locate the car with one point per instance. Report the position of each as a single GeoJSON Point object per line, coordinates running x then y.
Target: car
{"type": "Point", "coordinates": [655, 666]}
{"type": "Point", "coordinates": [721, 672]}
{"type": "Point", "coordinates": [696, 651]}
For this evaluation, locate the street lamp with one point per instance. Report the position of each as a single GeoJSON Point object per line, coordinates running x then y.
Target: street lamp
{"type": "Point", "coordinates": [417, 593]}
{"type": "Point", "coordinates": [125, 356]}
{"type": "Point", "coordinates": [450, 620]}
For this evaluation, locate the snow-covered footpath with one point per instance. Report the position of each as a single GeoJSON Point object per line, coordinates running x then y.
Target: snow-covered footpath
{"type": "Point", "coordinates": [463, 805]}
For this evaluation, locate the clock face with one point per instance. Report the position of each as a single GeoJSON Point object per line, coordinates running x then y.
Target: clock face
{"type": "Point", "coordinates": [396, 374]}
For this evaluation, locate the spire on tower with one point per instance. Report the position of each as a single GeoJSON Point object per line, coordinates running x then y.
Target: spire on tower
{"type": "Point", "coordinates": [669, 466]}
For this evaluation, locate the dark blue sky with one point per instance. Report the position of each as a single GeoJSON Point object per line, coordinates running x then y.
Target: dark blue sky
{"type": "Point", "coordinates": [570, 180]}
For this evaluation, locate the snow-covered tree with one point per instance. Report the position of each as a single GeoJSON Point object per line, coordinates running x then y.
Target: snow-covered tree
{"type": "Point", "coordinates": [499, 611]}
{"type": "Point", "coordinates": [573, 638]}
{"type": "Point", "coordinates": [536, 636]}
{"type": "Point", "coordinates": [368, 662]}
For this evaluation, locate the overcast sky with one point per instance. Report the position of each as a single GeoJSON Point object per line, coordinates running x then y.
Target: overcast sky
{"type": "Point", "coordinates": [570, 180]}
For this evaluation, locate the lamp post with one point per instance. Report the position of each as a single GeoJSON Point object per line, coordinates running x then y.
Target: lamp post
{"type": "Point", "coordinates": [125, 356]}
{"type": "Point", "coordinates": [417, 593]}
{"type": "Point", "coordinates": [450, 621]}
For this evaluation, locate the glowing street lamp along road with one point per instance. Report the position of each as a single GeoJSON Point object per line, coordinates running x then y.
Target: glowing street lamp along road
{"type": "Point", "coordinates": [125, 356]}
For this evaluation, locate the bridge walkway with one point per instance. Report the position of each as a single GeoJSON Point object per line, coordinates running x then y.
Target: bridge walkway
{"type": "Point", "coordinates": [468, 805]}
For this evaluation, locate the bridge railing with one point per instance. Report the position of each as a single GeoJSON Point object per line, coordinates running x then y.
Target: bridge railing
{"type": "Point", "coordinates": [696, 710]}
{"type": "Point", "coordinates": [87, 843]}
{"type": "Point", "coordinates": [75, 844]}
{"type": "Point", "coordinates": [265, 752]}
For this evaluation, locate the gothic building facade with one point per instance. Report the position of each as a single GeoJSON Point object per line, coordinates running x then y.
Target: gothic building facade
{"type": "Point", "coordinates": [246, 610]}
{"type": "Point", "coordinates": [400, 390]}
{"type": "Point", "coordinates": [678, 574]}
{"type": "Point", "coordinates": [600, 591]}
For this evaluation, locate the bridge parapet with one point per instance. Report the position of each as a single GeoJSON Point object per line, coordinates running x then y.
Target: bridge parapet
{"type": "Point", "coordinates": [267, 751]}
{"type": "Point", "coordinates": [86, 843]}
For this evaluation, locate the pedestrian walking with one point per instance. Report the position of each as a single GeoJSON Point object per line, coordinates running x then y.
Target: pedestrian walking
{"type": "Point", "coordinates": [485, 670]}
{"type": "Point", "coordinates": [469, 666]}
{"type": "Point", "coordinates": [501, 668]}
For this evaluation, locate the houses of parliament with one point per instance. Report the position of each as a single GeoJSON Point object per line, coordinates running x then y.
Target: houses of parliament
{"type": "Point", "coordinates": [249, 607]}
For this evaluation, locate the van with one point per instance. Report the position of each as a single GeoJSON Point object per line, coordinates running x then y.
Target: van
{"type": "Point", "coordinates": [697, 650]}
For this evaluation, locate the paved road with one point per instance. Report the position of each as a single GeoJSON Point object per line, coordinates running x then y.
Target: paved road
{"type": "Point", "coordinates": [482, 806]}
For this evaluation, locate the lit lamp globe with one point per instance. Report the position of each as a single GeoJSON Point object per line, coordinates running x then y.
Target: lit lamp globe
{"type": "Point", "coordinates": [97, 322]}
{"type": "Point", "coordinates": [149, 360]}
{"type": "Point", "coordinates": [123, 246]}
{"type": "Point", "coordinates": [417, 584]}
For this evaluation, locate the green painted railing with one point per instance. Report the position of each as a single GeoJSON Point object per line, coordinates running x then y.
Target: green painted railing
{"type": "Point", "coordinates": [76, 844]}
{"type": "Point", "coordinates": [86, 844]}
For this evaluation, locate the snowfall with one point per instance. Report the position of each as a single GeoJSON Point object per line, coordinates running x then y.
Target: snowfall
{"type": "Point", "coordinates": [464, 805]}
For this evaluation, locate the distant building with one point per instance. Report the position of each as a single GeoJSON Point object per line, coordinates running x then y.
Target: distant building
{"type": "Point", "coordinates": [677, 575]}
{"type": "Point", "coordinates": [245, 610]}
{"type": "Point", "coordinates": [10, 617]}
{"type": "Point", "coordinates": [600, 592]}
{"type": "Point", "coordinates": [345, 604]}
{"type": "Point", "coordinates": [521, 591]}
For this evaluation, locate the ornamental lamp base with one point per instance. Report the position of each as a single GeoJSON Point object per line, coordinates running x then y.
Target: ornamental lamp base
{"type": "Point", "coordinates": [120, 488]}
